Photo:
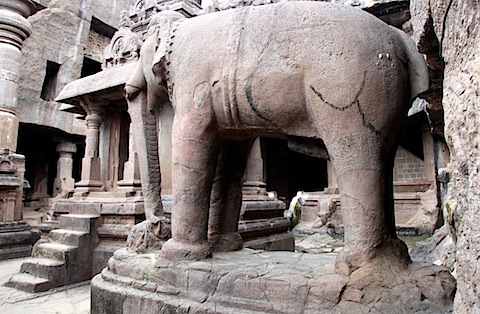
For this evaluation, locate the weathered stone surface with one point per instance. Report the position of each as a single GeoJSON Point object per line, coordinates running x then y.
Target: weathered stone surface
{"type": "Point", "coordinates": [454, 24]}
{"type": "Point", "coordinates": [62, 38]}
{"type": "Point", "coordinates": [16, 239]}
{"type": "Point", "coordinates": [438, 249]}
{"type": "Point", "coordinates": [265, 282]}
{"type": "Point", "coordinates": [149, 235]}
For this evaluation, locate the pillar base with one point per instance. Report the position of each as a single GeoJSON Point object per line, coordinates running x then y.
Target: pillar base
{"type": "Point", "coordinates": [130, 186]}
{"type": "Point", "coordinates": [84, 187]}
{"type": "Point", "coordinates": [17, 239]}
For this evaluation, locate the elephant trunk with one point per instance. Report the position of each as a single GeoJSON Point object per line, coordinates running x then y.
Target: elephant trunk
{"type": "Point", "coordinates": [144, 130]}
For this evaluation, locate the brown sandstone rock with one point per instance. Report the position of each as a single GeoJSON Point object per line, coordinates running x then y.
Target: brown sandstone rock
{"type": "Point", "coordinates": [262, 282]}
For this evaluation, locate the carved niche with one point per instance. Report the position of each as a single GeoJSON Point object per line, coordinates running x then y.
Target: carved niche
{"type": "Point", "coordinates": [95, 46]}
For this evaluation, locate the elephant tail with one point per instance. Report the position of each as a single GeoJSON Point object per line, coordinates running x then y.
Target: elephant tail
{"type": "Point", "coordinates": [417, 67]}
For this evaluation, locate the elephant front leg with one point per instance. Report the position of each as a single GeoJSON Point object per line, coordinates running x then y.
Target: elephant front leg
{"type": "Point", "coordinates": [367, 207]}
{"type": "Point", "coordinates": [226, 199]}
{"type": "Point", "coordinates": [194, 155]}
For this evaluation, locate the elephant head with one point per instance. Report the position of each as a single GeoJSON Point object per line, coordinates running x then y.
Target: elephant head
{"type": "Point", "coordinates": [148, 75]}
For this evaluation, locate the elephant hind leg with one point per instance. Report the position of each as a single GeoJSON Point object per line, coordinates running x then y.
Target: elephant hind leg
{"type": "Point", "coordinates": [226, 199]}
{"type": "Point", "coordinates": [361, 166]}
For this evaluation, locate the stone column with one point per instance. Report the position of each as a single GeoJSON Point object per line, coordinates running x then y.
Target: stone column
{"type": "Point", "coordinates": [16, 237]}
{"type": "Point", "coordinates": [257, 203]}
{"type": "Point", "coordinates": [14, 29]}
{"type": "Point", "coordinates": [253, 177]}
{"type": "Point", "coordinates": [91, 180]}
{"type": "Point", "coordinates": [332, 185]}
{"type": "Point", "coordinates": [131, 173]}
{"type": "Point", "coordinates": [64, 181]}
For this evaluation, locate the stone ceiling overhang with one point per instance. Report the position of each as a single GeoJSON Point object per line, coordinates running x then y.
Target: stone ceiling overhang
{"type": "Point", "coordinates": [107, 84]}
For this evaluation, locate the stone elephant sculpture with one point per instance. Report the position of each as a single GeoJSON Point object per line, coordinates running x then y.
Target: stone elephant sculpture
{"type": "Point", "coordinates": [314, 73]}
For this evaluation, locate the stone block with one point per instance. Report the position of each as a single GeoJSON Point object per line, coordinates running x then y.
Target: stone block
{"type": "Point", "coordinates": [45, 268]}
{"type": "Point", "coordinates": [28, 283]}
{"type": "Point", "coordinates": [70, 237]}
{"type": "Point", "coordinates": [86, 223]}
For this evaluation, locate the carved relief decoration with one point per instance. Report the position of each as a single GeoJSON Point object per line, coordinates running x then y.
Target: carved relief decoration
{"type": "Point", "coordinates": [124, 47]}
{"type": "Point", "coordinates": [95, 46]}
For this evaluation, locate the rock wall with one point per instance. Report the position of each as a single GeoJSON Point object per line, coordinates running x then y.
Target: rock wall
{"type": "Point", "coordinates": [60, 35]}
{"type": "Point", "coordinates": [455, 24]}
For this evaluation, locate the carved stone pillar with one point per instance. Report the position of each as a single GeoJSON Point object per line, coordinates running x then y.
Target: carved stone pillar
{"type": "Point", "coordinates": [64, 181]}
{"type": "Point", "coordinates": [253, 178]}
{"type": "Point", "coordinates": [332, 185]}
{"type": "Point", "coordinates": [16, 237]}
{"type": "Point", "coordinates": [91, 180]}
{"type": "Point", "coordinates": [14, 29]}
{"type": "Point", "coordinates": [131, 173]}
{"type": "Point", "coordinates": [257, 203]}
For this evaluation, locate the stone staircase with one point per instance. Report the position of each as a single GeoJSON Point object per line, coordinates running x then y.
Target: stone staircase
{"type": "Point", "coordinates": [64, 258]}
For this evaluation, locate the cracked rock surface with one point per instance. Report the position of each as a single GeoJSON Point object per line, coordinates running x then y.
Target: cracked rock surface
{"type": "Point", "coordinates": [251, 281]}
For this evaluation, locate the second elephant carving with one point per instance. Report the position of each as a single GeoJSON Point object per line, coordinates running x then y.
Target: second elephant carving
{"type": "Point", "coordinates": [310, 72]}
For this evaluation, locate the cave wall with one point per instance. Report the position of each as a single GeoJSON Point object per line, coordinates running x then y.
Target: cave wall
{"type": "Point", "coordinates": [454, 23]}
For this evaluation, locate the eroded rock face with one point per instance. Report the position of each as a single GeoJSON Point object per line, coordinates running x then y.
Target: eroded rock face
{"type": "Point", "coordinates": [455, 24]}
{"type": "Point", "coordinates": [61, 35]}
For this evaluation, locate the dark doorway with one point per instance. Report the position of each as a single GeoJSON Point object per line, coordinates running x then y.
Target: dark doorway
{"type": "Point", "coordinates": [288, 172]}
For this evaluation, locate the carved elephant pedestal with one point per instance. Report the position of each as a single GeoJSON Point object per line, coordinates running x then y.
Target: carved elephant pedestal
{"type": "Point", "coordinates": [251, 281]}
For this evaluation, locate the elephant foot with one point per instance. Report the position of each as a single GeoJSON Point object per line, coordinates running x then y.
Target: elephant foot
{"type": "Point", "coordinates": [176, 250]}
{"type": "Point", "coordinates": [392, 254]}
{"type": "Point", "coordinates": [418, 288]}
{"type": "Point", "coordinates": [226, 242]}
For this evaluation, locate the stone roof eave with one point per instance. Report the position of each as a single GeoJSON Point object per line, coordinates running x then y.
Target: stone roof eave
{"type": "Point", "coordinates": [107, 84]}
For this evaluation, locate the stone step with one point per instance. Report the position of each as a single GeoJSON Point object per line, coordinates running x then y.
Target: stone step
{"type": "Point", "coordinates": [28, 283]}
{"type": "Point", "coordinates": [52, 250]}
{"type": "Point", "coordinates": [54, 270]}
{"type": "Point", "coordinates": [78, 222]}
{"type": "Point", "coordinates": [68, 237]}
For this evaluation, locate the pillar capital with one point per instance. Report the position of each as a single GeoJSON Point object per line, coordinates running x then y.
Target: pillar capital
{"type": "Point", "coordinates": [14, 26]}
{"type": "Point", "coordinates": [93, 106]}
{"type": "Point", "coordinates": [67, 147]}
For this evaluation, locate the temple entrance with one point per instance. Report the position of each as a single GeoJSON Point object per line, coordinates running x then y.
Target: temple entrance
{"type": "Point", "coordinates": [288, 172]}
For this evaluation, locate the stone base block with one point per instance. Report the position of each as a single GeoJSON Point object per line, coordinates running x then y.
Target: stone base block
{"type": "Point", "coordinates": [276, 242]}
{"type": "Point", "coordinates": [250, 281]}
{"type": "Point", "coordinates": [16, 239]}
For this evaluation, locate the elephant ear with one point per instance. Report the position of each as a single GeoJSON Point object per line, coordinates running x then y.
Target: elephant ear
{"type": "Point", "coordinates": [166, 21]}
{"type": "Point", "coordinates": [159, 58]}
